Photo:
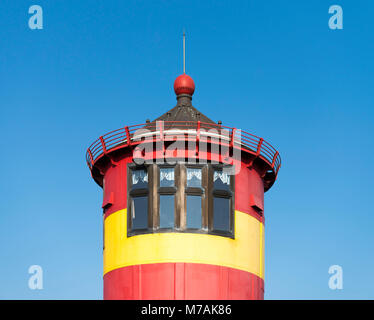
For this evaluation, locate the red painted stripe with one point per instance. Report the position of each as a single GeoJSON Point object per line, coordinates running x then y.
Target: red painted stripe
{"type": "Point", "coordinates": [189, 281]}
{"type": "Point", "coordinates": [248, 188]}
{"type": "Point", "coordinates": [115, 187]}
{"type": "Point", "coordinates": [249, 191]}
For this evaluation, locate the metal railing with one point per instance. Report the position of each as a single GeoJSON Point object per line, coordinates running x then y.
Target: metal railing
{"type": "Point", "coordinates": [132, 135]}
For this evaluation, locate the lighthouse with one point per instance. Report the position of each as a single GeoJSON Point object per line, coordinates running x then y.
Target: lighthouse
{"type": "Point", "coordinates": [183, 206]}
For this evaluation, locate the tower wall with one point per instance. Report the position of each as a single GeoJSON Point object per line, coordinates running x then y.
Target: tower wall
{"type": "Point", "coordinates": [181, 265]}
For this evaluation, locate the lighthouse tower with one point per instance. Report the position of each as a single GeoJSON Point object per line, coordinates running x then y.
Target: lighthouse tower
{"type": "Point", "coordinates": [183, 206]}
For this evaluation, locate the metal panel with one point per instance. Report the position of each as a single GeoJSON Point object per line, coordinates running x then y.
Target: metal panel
{"type": "Point", "coordinates": [189, 281]}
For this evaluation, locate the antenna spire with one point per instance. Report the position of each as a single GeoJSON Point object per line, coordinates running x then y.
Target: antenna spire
{"type": "Point", "coordinates": [184, 52]}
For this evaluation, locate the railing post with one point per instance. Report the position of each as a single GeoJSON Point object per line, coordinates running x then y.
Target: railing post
{"type": "Point", "coordinates": [233, 131]}
{"type": "Point", "coordinates": [259, 147]}
{"type": "Point", "coordinates": [128, 137]}
{"type": "Point", "coordinates": [275, 157]}
{"type": "Point", "coordinates": [198, 137]}
{"type": "Point", "coordinates": [232, 140]}
{"type": "Point", "coordinates": [276, 173]}
{"type": "Point", "coordinates": [105, 151]}
{"type": "Point", "coordinates": [90, 154]}
{"type": "Point", "coordinates": [103, 144]}
{"type": "Point", "coordinates": [160, 125]}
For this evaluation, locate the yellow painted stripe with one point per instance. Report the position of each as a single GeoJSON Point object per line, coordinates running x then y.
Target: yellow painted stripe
{"type": "Point", "coordinates": [245, 252]}
{"type": "Point", "coordinates": [262, 256]}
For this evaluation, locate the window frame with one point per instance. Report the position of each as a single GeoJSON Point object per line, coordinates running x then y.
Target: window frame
{"type": "Point", "coordinates": [139, 193]}
{"type": "Point", "coordinates": [160, 191]}
{"type": "Point", "coordinates": [180, 192]}
{"type": "Point", "coordinates": [230, 194]}
{"type": "Point", "coordinates": [196, 191]}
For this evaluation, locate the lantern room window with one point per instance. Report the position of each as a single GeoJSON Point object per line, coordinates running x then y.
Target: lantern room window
{"type": "Point", "coordinates": [222, 201]}
{"type": "Point", "coordinates": [180, 198]}
{"type": "Point", "coordinates": [195, 196]}
{"type": "Point", "coordinates": [167, 177]}
{"type": "Point", "coordinates": [139, 210]}
{"type": "Point", "coordinates": [193, 212]}
{"type": "Point", "coordinates": [138, 195]}
{"type": "Point", "coordinates": [166, 192]}
{"type": "Point", "coordinates": [194, 177]}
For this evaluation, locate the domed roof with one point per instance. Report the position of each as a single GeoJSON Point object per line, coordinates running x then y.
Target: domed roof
{"type": "Point", "coordinates": [183, 113]}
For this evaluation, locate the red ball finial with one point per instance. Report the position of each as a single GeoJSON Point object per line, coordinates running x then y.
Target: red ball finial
{"type": "Point", "coordinates": [184, 85]}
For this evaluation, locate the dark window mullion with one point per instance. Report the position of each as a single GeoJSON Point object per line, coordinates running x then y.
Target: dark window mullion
{"type": "Point", "coordinates": [210, 173]}
{"type": "Point", "coordinates": [154, 196]}
{"type": "Point", "coordinates": [205, 197]}
{"type": "Point", "coordinates": [179, 197]}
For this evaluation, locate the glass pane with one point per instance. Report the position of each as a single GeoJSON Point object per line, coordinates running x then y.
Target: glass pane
{"type": "Point", "coordinates": [166, 177]}
{"type": "Point", "coordinates": [194, 212]}
{"type": "Point", "coordinates": [166, 211]}
{"type": "Point", "coordinates": [194, 177]}
{"type": "Point", "coordinates": [221, 180]}
{"type": "Point", "coordinates": [139, 179]}
{"type": "Point", "coordinates": [139, 213]}
{"type": "Point", "coordinates": [221, 214]}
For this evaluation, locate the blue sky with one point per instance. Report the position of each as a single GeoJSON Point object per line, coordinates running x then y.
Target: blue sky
{"type": "Point", "coordinates": [272, 68]}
